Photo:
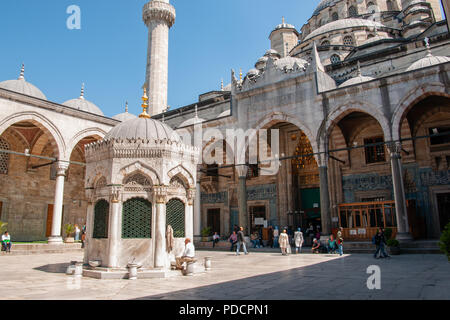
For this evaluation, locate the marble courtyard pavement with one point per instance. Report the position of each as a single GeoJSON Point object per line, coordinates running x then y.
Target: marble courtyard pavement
{"type": "Point", "coordinates": [266, 276]}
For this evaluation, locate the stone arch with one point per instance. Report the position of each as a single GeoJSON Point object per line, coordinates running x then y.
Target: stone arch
{"type": "Point", "coordinates": [43, 123]}
{"type": "Point", "coordinates": [183, 174]}
{"type": "Point", "coordinates": [410, 100]}
{"type": "Point", "coordinates": [96, 132]}
{"type": "Point", "coordinates": [274, 118]}
{"type": "Point", "coordinates": [139, 167]}
{"type": "Point", "coordinates": [344, 110]}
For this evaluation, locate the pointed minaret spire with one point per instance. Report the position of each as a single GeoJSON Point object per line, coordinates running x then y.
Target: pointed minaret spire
{"type": "Point", "coordinates": [221, 85]}
{"type": "Point", "coordinates": [82, 91]}
{"type": "Point", "coordinates": [144, 105]}
{"type": "Point", "coordinates": [282, 20]}
{"type": "Point", "coordinates": [22, 72]}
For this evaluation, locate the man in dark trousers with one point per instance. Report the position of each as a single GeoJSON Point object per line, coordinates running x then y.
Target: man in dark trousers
{"type": "Point", "coordinates": [241, 241]}
{"type": "Point", "coordinates": [380, 241]}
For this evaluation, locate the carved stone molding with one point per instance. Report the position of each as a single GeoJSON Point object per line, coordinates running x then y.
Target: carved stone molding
{"type": "Point", "coordinates": [161, 193]}
{"type": "Point", "coordinates": [157, 10]}
{"type": "Point", "coordinates": [116, 192]}
{"type": "Point", "coordinates": [395, 149]}
{"type": "Point", "coordinates": [191, 196]}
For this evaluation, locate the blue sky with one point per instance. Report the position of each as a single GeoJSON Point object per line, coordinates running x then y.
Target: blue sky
{"type": "Point", "coordinates": [109, 52]}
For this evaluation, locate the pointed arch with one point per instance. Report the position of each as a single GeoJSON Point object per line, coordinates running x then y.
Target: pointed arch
{"type": "Point", "coordinates": [141, 168]}
{"type": "Point", "coordinates": [183, 174]}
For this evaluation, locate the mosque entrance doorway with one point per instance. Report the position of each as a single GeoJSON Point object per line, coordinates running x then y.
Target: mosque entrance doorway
{"type": "Point", "coordinates": [48, 229]}
{"type": "Point", "coordinates": [257, 218]}
{"type": "Point", "coordinates": [214, 220]}
{"type": "Point", "coordinates": [443, 200]}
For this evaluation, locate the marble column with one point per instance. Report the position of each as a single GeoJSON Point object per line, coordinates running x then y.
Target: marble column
{"type": "Point", "coordinates": [160, 228]}
{"type": "Point", "coordinates": [198, 210]}
{"type": "Point", "coordinates": [89, 231]}
{"type": "Point", "coordinates": [56, 237]}
{"type": "Point", "coordinates": [189, 224]}
{"type": "Point", "coordinates": [325, 201]}
{"type": "Point", "coordinates": [401, 209]}
{"type": "Point", "coordinates": [242, 197]}
{"type": "Point", "coordinates": [114, 228]}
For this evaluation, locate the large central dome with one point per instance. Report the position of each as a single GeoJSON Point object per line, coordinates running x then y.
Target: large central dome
{"type": "Point", "coordinates": [324, 4]}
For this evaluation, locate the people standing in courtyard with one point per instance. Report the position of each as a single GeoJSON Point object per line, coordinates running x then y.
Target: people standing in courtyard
{"type": "Point", "coordinates": [298, 240]}
{"type": "Point", "coordinates": [233, 240]}
{"type": "Point", "coordinates": [380, 242]}
{"type": "Point", "coordinates": [276, 235]}
{"type": "Point", "coordinates": [6, 242]}
{"type": "Point", "coordinates": [77, 233]}
{"type": "Point", "coordinates": [310, 232]}
{"type": "Point", "coordinates": [241, 242]}
{"type": "Point", "coordinates": [284, 242]}
{"type": "Point", "coordinates": [83, 239]}
{"type": "Point", "coordinates": [270, 240]}
{"type": "Point", "coordinates": [340, 241]}
{"type": "Point", "coordinates": [255, 240]}
{"type": "Point", "coordinates": [216, 239]}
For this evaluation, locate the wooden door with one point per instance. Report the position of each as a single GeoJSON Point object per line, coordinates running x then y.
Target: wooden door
{"type": "Point", "coordinates": [48, 231]}
{"type": "Point", "coordinates": [1, 206]}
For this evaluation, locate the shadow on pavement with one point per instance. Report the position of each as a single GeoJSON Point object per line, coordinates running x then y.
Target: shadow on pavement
{"type": "Point", "coordinates": [53, 268]}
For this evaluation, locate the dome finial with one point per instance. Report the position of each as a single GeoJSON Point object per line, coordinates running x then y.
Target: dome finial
{"type": "Point", "coordinates": [144, 113]}
{"type": "Point", "coordinates": [221, 85]}
{"type": "Point", "coordinates": [240, 74]}
{"type": "Point", "coordinates": [282, 21]}
{"type": "Point", "coordinates": [196, 111]}
{"type": "Point", "coordinates": [82, 91]}
{"type": "Point", "coordinates": [126, 107]}
{"type": "Point", "coordinates": [22, 72]}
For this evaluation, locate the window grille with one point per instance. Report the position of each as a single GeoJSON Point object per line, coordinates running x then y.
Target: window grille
{"type": "Point", "coordinates": [137, 219]}
{"type": "Point", "coordinates": [335, 59]}
{"type": "Point", "coordinates": [101, 218]}
{"type": "Point", "coordinates": [4, 157]}
{"type": "Point", "coordinates": [352, 12]}
{"type": "Point", "coordinates": [335, 16]}
{"type": "Point", "coordinates": [375, 154]}
{"type": "Point", "coordinates": [175, 217]}
{"type": "Point", "coordinates": [325, 43]}
{"type": "Point", "coordinates": [348, 41]}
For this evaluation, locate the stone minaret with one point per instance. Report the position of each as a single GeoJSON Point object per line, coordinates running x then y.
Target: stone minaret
{"type": "Point", "coordinates": [159, 16]}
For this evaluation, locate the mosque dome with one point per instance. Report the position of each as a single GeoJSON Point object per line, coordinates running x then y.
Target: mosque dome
{"type": "Point", "coordinates": [428, 61]}
{"type": "Point", "coordinates": [344, 24]}
{"type": "Point", "coordinates": [323, 4]}
{"type": "Point", "coordinates": [84, 105]}
{"type": "Point", "coordinates": [261, 63]}
{"type": "Point", "coordinates": [290, 63]}
{"type": "Point", "coordinates": [122, 117]}
{"type": "Point", "coordinates": [252, 73]}
{"type": "Point", "coordinates": [22, 86]}
{"type": "Point", "coordinates": [196, 120]}
{"type": "Point", "coordinates": [356, 80]}
{"type": "Point", "coordinates": [273, 54]}
{"type": "Point", "coordinates": [143, 128]}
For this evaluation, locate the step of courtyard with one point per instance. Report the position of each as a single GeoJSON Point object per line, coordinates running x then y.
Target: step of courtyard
{"type": "Point", "coordinates": [413, 247]}
{"type": "Point", "coordinates": [42, 248]}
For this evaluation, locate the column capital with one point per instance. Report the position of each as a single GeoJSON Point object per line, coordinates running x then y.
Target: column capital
{"type": "Point", "coordinates": [242, 170]}
{"type": "Point", "coordinates": [115, 194]}
{"type": "Point", "coordinates": [395, 149]}
{"type": "Point", "coordinates": [191, 196]}
{"type": "Point", "coordinates": [61, 168]}
{"type": "Point", "coordinates": [161, 194]}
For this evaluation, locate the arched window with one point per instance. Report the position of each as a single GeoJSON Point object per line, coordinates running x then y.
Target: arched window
{"type": "Point", "coordinates": [335, 16]}
{"type": "Point", "coordinates": [335, 59]}
{"type": "Point", "coordinates": [4, 157]}
{"type": "Point", "coordinates": [325, 43]}
{"type": "Point", "coordinates": [348, 41]}
{"type": "Point", "coordinates": [352, 11]}
{"type": "Point", "coordinates": [101, 218]}
{"type": "Point", "coordinates": [137, 219]}
{"type": "Point", "coordinates": [175, 217]}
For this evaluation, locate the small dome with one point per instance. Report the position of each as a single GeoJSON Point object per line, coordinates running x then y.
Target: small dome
{"type": "Point", "coordinates": [428, 61]}
{"type": "Point", "coordinates": [261, 63]}
{"type": "Point", "coordinates": [356, 80]}
{"type": "Point", "coordinates": [272, 53]}
{"type": "Point", "coordinates": [191, 122]}
{"type": "Point", "coordinates": [374, 39]}
{"type": "Point", "coordinates": [290, 63]}
{"type": "Point", "coordinates": [226, 113]}
{"type": "Point", "coordinates": [143, 128]}
{"type": "Point", "coordinates": [124, 117]}
{"type": "Point", "coordinates": [22, 86]}
{"type": "Point", "coordinates": [227, 87]}
{"type": "Point", "coordinates": [252, 73]}
{"type": "Point", "coordinates": [83, 104]}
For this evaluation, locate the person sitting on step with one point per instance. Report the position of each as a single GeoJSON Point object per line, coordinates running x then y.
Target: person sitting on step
{"type": "Point", "coordinates": [188, 255]}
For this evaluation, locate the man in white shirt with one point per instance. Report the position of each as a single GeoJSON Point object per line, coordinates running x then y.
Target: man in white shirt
{"type": "Point", "coordinates": [188, 255]}
{"type": "Point", "coordinates": [6, 242]}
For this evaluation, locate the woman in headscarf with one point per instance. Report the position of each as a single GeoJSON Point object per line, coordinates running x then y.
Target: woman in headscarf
{"type": "Point", "coordinates": [298, 239]}
{"type": "Point", "coordinates": [284, 242]}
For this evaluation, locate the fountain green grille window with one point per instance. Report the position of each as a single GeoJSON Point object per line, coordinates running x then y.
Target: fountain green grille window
{"type": "Point", "coordinates": [101, 214]}
{"type": "Point", "coordinates": [137, 219]}
{"type": "Point", "coordinates": [175, 217]}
